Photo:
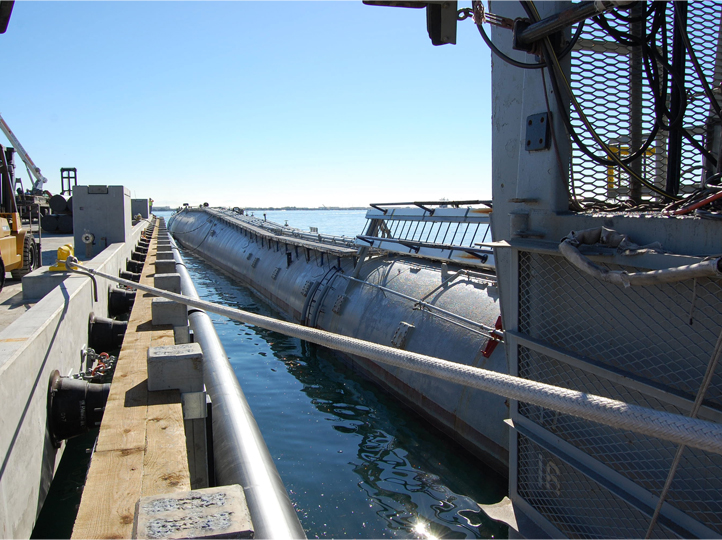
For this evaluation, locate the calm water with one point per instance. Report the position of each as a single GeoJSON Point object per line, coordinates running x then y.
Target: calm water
{"type": "Point", "coordinates": [355, 463]}
{"type": "Point", "coordinates": [338, 222]}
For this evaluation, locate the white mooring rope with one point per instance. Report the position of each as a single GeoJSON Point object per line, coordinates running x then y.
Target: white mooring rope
{"type": "Point", "coordinates": [618, 414]}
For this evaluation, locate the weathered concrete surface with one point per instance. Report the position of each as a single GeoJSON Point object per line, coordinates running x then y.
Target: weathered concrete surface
{"type": "Point", "coordinates": [12, 302]}
{"type": "Point", "coordinates": [219, 512]}
{"type": "Point", "coordinates": [177, 367]}
{"type": "Point", "coordinates": [164, 267]}
{"type": "Point", "coordinates": [169, 312]}
{"type": "Point", "coordinates": [48, 336]}
{"type": "Point", "coordinates": [168, 282]}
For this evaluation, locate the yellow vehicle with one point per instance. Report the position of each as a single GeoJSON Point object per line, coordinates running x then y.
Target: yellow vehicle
{"type": "Point", "coordinates": [18, 250]}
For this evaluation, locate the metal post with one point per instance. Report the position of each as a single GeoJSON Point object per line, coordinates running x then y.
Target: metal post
{"type": "Point", "coordinates": [636, 102]}
{"type": "Point", "coordinates": [679, 55]}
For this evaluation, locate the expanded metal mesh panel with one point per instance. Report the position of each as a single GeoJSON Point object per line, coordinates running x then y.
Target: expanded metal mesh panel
{"type": "Point", "coordinates": [697, 486]}
{"type": "Point", "coordinates": [642, 330]}
{"type": "Point", "coordinates": [574, 503]}
{"type": "Point", "coordinates": [612, 84]}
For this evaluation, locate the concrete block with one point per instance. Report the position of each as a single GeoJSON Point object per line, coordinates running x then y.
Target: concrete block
{"type": "Point", "coordinates": [168, 312]}
{"type": "Point", "coordinates": [164, 256]}
{"type": "Point", "coordinates": [168, 282]}
{"type": "Point", "coordinates": [164, 267]}
{"type": "Point", "coordinates": [175, 367]}
{"type": "Point", "coordinates": [40, 282]}
{"type": "Point", "coordinates": [219, 512]}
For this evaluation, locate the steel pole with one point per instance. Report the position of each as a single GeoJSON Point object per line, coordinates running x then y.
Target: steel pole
{"type": "Point", "coordinates": [239, 451]}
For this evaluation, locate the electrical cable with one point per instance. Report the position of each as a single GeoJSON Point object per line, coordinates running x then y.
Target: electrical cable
{"type": "Point", "coordinates": [660, 74]}
{"type": "Point", "coordinates": [698, 69]}
{"type": "Point", "coordinates": [525, 65]}
{"type": "Point", "coordinates": [652, 58]}
{"type": "Point", "coordinates": [617, 15]}
{"type": "Point", "coordinates": [559, 73]}
{"type": "Point", "coordinates": [571, 194]}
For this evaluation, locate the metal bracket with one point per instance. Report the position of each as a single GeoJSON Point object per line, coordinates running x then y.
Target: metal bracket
{"type": "Point", "coordinates": [399, 338]}
{"type": "Point", "coordinates": [538, 132]}
{"type": "Point", "coordinates": [338, 305]}
{"type": "Point", "coordinates": [306, 287]}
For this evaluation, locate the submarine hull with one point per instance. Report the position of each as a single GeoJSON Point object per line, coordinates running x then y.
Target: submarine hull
{"type": "Point", "coordinates": [405, 302]}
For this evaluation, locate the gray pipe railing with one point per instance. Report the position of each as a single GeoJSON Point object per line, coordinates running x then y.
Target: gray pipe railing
{"type": "Point", "coordinates": [240, 453]}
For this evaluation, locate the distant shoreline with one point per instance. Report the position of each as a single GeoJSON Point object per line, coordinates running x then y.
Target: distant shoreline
{"type": "Point", "coordinates": [276, 209]}
{"type": "Point", "coordinates": [271, 208]}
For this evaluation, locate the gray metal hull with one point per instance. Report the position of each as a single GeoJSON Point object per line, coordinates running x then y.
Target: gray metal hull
{"type": "Point", "coordinates": [312, 287]}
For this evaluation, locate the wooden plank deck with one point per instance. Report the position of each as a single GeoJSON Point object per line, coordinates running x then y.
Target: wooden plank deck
{"type": "Point", "coordinates": [141, 446]}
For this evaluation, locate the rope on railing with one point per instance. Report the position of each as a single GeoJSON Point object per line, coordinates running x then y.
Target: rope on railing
{"type": "Point", "coordinates": [618, 414]}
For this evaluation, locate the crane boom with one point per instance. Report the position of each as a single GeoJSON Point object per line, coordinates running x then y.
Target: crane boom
{"type": "Point", "coordinates": [34, 170]}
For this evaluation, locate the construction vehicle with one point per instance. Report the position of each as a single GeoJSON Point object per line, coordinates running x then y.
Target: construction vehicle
{"type": "Point", "coordinates": [34, 200]}
{"type": "Point", "coordinates": [19, 253]}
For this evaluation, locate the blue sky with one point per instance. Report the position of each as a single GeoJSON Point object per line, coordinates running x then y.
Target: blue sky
{"type": "Point", "coordinates": [249, 103]}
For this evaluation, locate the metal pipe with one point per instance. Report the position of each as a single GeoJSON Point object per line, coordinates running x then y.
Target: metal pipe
{"type": "Point", "coordinates": [426, 305]}
{"type": "Point", "coordinates": [564, 19]}
{"type": "Point", "coordinates": [678, 101]}
{"type": "Point", "coordinates": [636, 103]}
{"type": "Point", "coordinates": [240, 453]}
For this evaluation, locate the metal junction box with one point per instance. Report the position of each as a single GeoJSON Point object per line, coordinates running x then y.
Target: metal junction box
{"type": "Point", "coordinates": [140, 206]}
{"type": "Point", "coordinates": [105, 213]}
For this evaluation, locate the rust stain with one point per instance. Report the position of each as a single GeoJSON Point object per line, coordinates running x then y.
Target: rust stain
{"type": "Point", "coordinates": [126, 519]}
{"type": "Point", "coordinates": [480, 210]}
{"type": "Point", "coordinates": [172, 479]}
{"type": "Point", "coordinates": [13, 340]}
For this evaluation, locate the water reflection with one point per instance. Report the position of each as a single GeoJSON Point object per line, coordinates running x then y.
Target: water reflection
{"type": "Point", "coordinates": [355, 462]}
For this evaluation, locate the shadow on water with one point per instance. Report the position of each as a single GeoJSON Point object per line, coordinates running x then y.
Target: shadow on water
{"type": "Point", "coordinates": [355, 462]}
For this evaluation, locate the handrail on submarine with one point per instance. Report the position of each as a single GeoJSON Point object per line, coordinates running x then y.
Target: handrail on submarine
{"type": "Point", "coordinates": [676, 428]}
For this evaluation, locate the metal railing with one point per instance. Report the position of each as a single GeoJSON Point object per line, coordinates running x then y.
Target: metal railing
{"type": "Point", "coordinates": [443, 230]}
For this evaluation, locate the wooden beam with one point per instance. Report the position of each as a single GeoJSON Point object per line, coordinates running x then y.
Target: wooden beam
{"type": "Point", "coordinates": [141, 447]}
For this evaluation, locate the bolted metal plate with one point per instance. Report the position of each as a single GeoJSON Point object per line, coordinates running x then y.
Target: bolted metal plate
{"type": "Point", "coordinates": [537, 132]}
{"type": "Point", "coordinates": [306, 287]}
{"type": "Point", "coordinates": [399, 338]}
{"type": "Point", "coordinates": [338, 305]}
